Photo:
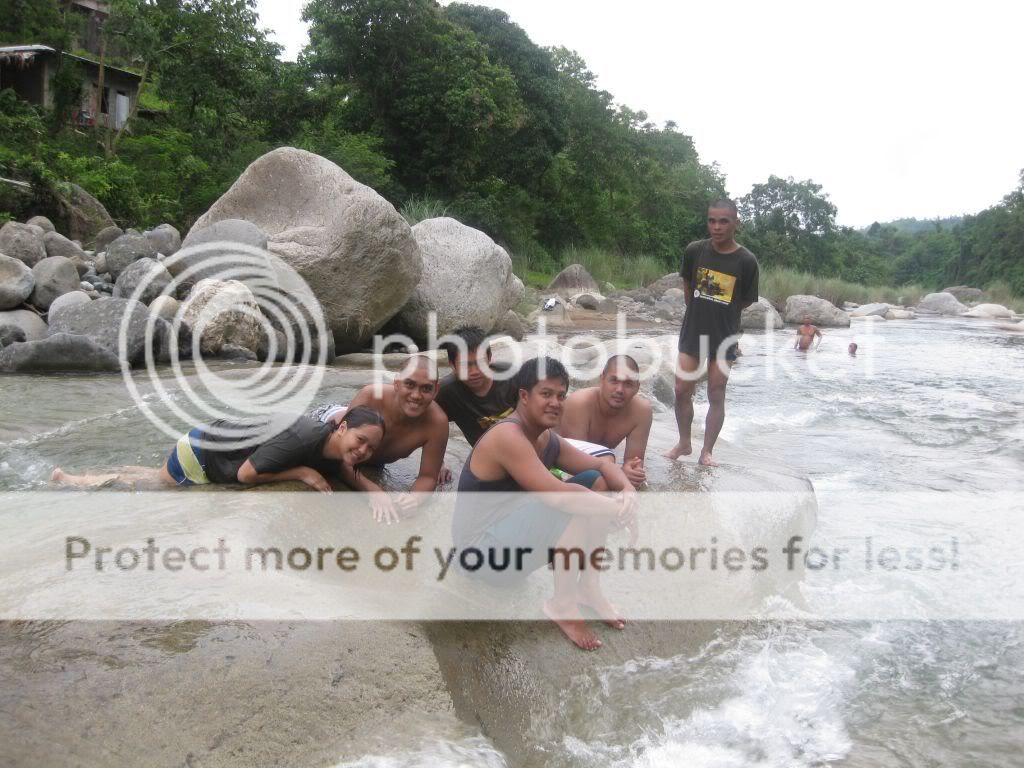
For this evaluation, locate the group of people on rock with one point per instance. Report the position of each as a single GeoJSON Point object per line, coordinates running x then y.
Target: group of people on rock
{"type": "Point", "coordinates": [526, 431]}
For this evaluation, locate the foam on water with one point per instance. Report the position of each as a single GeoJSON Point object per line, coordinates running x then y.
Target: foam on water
{"type": "Point", "coordinates": [473, 752]}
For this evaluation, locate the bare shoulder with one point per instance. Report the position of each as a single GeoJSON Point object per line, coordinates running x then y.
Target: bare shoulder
{"type": "Point", "coordinates": [436, 418]}
{"type": "Point", "coordinates": [366, 396]}
{"type": "Point", "coordinates": [581, 397]}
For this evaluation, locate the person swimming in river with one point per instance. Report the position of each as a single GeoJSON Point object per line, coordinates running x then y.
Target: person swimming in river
{"type": "Point", "coordinates": [307, 450]}
{"type": "Point", "coordinates": [806, 334]}
{"type": "Point", "coordinates": [517, 455]}
{"type": "Point", "coordinates": [852, 349]}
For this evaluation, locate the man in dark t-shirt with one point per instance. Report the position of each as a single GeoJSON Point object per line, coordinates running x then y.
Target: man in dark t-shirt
{"type": "Point", "coordinates": [477, 394]}
{"type": "Point", "coordinates": [720, 279]}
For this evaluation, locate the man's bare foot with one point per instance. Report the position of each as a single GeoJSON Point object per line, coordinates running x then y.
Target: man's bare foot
{"type": "Point", "coordinates": [571, 622]}
{"type": "Point", "coordinates": [679, 449]}
{"type": "Point", "coordinates": [598, 603]}
{"type": "Point", "coordinates": [705, 459]}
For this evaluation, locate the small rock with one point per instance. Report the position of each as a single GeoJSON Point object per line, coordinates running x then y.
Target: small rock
{"type": "Point", "coordinates": [31, 324]}
{"type": "Point", "coordinates": [58, 245]}
{"type": "Point", "coordinates": [145, 274]}
{"type": "Point", "coordinates": [819, 311]}
{"type": "Point", "coordinates": [165, 239]}
{"type": "Point", "coordinates": [126, 250]}
{"type": "Point", "coordinates": [164, 306]}
{"type": "Point", "coordinates": [43, 223]}
{"type": "Point", "coordinates": [11, 334]}
{"type": "Point", "coordinates": [16, 282]}
{"type": "Point", "coordinates": [54, 276]}
{"type": "Point", "coordinates": [68, 300]}
{"type": "Point", "coordinates": [23, 242]}
{"type": "Point", "coordinates": [943, 303]}
{"type": "Point", "coordinates": [572, 280]}
{"type": "Point", "coordinates": [60, 352]}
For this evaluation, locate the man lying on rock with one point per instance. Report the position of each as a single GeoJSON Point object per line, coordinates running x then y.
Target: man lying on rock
{"type": "Point", "coordinates": [413, 420]}
{"type": "Point", "coordinates": [517, 455]}
{"type": "Point", "coordinates": [307, 451]}
{"type": "Point", "coordinates": [609, 413]}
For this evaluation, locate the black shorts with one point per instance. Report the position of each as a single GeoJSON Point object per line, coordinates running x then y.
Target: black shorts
{"type": "Point", "coordinates": [692, 348]}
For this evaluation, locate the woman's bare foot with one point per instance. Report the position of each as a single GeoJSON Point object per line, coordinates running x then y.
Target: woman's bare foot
{"type": "Point", "coordinates": [571, 622]}
{"type": "Point", "coordinates": [705, 459]}
{"type": "Point", "coordinates": [679, 449]}
{"type": "Point", "coordinates": [598, 603]}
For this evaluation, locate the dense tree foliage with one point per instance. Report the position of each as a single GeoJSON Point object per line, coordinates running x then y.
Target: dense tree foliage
{"type": "Point", "coordinates": [449, 109]}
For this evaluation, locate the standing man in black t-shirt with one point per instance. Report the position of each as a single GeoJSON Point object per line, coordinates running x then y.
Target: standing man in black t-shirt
{"type": "Point", "coordinates": [469, 395]}
{"type": "Point", "coordinates": [720, 279]}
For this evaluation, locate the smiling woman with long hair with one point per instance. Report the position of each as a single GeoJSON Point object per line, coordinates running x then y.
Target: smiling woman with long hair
{"type": "Point", "coordinates": [307, 451]}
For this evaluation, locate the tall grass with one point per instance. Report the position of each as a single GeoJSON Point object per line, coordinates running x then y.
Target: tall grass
{"type": "Point", "coordinates": [779, 284]}
{"type": "Point", "coordinates": [999, 292]}
{"type": "Point", "coordinates": [418, 208]}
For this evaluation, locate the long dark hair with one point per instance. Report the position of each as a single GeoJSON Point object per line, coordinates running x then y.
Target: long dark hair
{"type": "Point", "coordinates": [362, 416]}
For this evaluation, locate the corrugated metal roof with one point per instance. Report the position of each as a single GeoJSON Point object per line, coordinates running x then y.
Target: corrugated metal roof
{"type": "Point", "coordinates": [24, 54]}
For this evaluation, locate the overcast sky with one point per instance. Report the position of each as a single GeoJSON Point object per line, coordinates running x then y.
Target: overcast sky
{"type": "Point", "coordinates": [897, 108]}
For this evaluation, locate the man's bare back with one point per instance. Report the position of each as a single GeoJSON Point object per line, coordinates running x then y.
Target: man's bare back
{"type": "Point", "coordinates": [805, 336]}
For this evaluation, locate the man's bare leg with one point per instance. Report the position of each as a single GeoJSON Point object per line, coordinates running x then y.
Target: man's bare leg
{"type": "Point", "coordinates": [563, 608]}
{"type": "Point", "coordinates": [590, 594]}
{"type": "Point", "coordinates": [718, 377]}
{"type": "Point", "coordinates": [685, 387]}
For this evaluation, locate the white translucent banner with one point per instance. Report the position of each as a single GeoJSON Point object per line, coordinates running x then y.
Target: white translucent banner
{"type": "Point", "coordinates": [255, 555]}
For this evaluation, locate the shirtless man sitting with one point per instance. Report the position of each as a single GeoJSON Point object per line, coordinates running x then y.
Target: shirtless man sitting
{"type": "Point", "coordinates": [517, 455]}
{"type": "Point", "coordinates": [610, 413]}
{"type": "Point", "coordinates": [413, 420]}
{"type": "Point", "coordinates": [805, 335]}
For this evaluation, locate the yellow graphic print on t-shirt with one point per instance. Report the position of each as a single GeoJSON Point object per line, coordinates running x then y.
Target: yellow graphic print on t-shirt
{"type": "Point", "coordinates": [715, 286]}
{"type": "Point", "coordinates": [486, 422]}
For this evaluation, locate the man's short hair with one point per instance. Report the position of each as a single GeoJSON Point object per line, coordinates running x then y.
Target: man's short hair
{"type": "Point", "coordinates": [539, 369]}
{"type": "Point", "coordinates": [725, 202]}
{"type": "Point", "coordinates": [472, 337]}
{"type": "Point", "coordinates": [418, 361]}
{"type": "Point", "coordinates": [629, 360]}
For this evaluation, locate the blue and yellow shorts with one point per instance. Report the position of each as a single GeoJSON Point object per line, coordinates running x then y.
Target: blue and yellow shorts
{"type": "Point", "coordinates": [185, 463]}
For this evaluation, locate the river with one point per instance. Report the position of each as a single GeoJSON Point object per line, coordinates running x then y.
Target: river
{"type": "Point", "coordinates": [880, 668]}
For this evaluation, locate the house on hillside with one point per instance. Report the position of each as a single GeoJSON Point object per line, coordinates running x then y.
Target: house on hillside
{"type": "Point", "coordinates": [29, 69]}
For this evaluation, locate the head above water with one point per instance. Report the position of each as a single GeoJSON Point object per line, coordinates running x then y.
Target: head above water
{"type": "Point", "coordinates": [852, 349]}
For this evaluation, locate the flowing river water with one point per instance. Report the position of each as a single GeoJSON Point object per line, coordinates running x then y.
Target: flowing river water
{"type": "Point", "coordinates": [921, 675]}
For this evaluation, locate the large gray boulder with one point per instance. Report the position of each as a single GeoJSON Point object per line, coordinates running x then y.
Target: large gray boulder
{"type": "Point", "coordinates": [31, 324]}
{"type": "Point", "coordinates": [127, 249]}
{"type": "Point", "coordinates": [819, 311]}
{"type": "Point", "coordinates": [878, 309]}
{"type": "Point", "coordinates": [165, 238]}
{"type": "Point", "coordinates": [16, 282]}
{"type": "Point", "coordinates": [43, 223]}
{"type": "Point", "coordinates": [65, 302]}
{"type": "Point", "coordinates": [60, 352]}
{"type": "Point", "coordinates": [148, 274]}
{"type": "Point", "coordinates": [83, 216]}
{"type": "Point", "coordinates": [351, 246]}
{"type": "Point", "coordinates": [106, 236]}
{"type": "Point", "coordinates": [58, 245]}
{"type": "Point", "coordinates": [101, 321]}
{"type": "Point", "coordinates": [662, 284]}
{"type": "Point", "coordinates": [187, 264]}
{"type": "Point", "coordinates": [989, 311]}
{"type": "Point", "coordinates": [964, 293]}
{"type": "Point", "coordinates": [761, 316]}
{"type": "Point", "coordinates": [225, 313]}
{"type": "Point", "coordinates": [941, 303]}
{"type": "Point", "coordinates": [467, 280]}
{"type": "Point", "coordinates": [23, 242]}
{"type": "Point", "coordinates": [572, 280]}
{"type": "Point", "coordinates": [54, 276]}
